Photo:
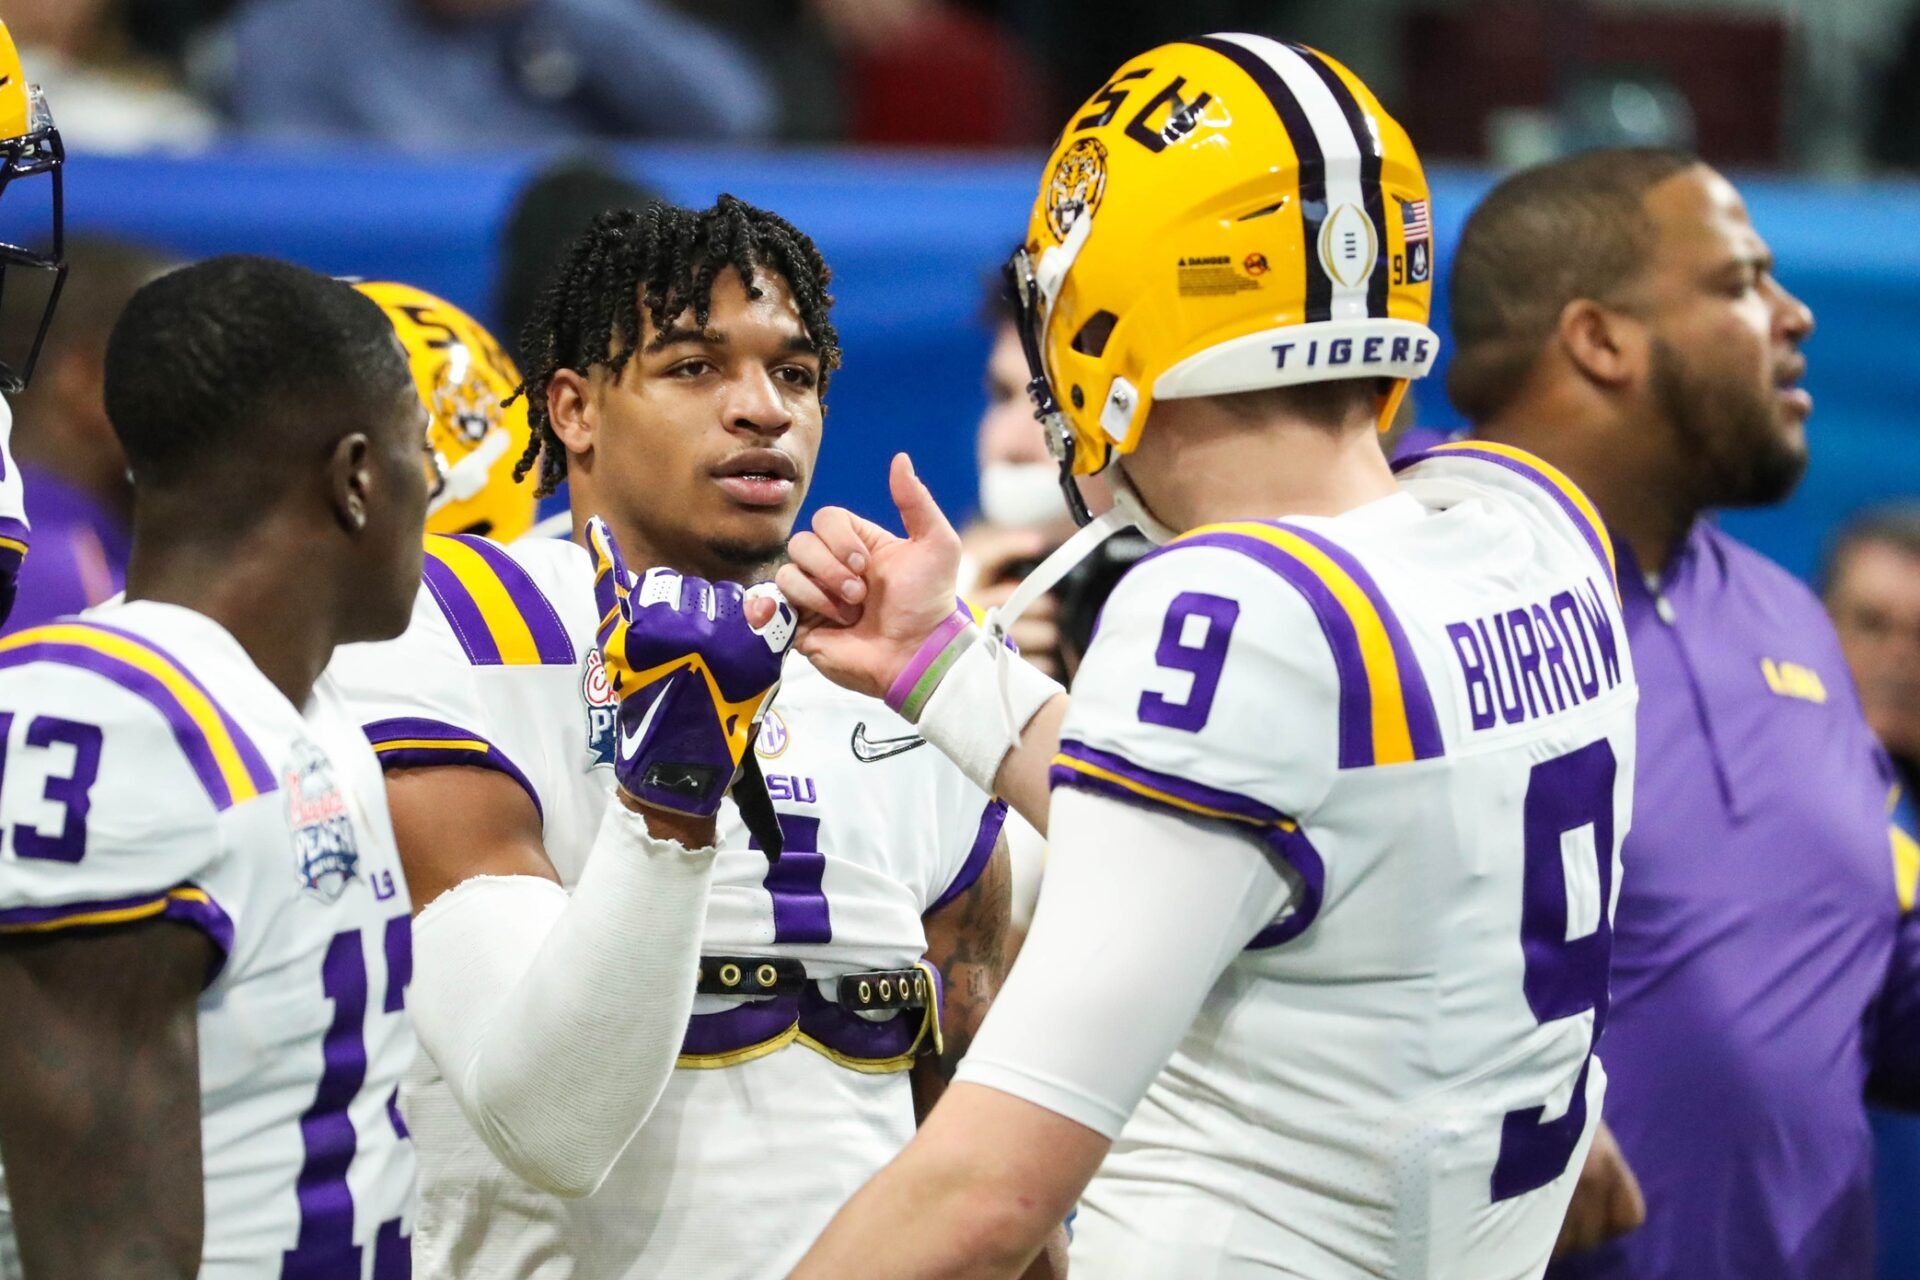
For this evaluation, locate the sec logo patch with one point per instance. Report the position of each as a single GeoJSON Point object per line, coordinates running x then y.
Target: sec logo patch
{"type": "Point", "coordinates": [773, 737]}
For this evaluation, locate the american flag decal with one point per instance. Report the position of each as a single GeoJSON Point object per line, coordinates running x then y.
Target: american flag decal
{"type": "Point", "coordinates": [1414, 221]}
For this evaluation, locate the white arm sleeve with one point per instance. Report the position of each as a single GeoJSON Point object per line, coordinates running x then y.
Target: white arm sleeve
{"type": "Point", "coordinates": [556, 1018]}
{"type": "Point", "coordinates": [1139, 914]}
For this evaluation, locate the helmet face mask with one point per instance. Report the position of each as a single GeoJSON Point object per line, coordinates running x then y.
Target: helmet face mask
{"type": "Point", "coordinates": [1028, 320]}
{"type": "Point", "coordinates": [34, 152]}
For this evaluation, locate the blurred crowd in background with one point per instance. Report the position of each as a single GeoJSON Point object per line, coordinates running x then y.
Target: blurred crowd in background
{"type": "Point", "coordinates": [1804, 85]}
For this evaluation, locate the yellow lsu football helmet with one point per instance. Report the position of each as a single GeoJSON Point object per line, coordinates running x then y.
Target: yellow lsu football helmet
{"type": "Point", "coordinates": [1227, 214]}
{"type": "Point", "coordinates": [473, 441]}
{"type": "Point", "coordinates": [29, 146]}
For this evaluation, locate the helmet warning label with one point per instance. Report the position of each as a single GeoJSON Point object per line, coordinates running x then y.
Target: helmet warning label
{"type": "Point", "coordinates": [1217, 275]}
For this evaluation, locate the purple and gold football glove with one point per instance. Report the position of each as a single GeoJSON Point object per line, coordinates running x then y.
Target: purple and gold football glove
{"type": "Point", "coordinates": [692, 674]}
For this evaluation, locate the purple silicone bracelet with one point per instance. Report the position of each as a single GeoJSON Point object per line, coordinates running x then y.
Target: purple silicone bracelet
{"type": "Point", "coordinates": [929, 654]}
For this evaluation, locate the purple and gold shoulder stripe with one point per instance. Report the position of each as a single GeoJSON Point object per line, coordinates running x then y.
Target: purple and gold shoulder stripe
{"type": "Point", "coordinates": [1089, 768]}
{"type": "Point", "coordinates": [1386, 713]}
{"type": "Point", "coordinates": [1555, 482]}
{"type": "Point", "coordinates": [415, 742]}
{"type": "Point", "coordinates": [497, 612]}
{"type": "Point", "coordinates": [186, 903]}
{"type": "Point", "coordinates": [230, 768]}
{"type": "Point", "coordinates": [13, 539]}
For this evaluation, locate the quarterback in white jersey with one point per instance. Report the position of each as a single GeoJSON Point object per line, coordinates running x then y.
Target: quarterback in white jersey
{"type": "Point", "coordinates": [797, 1066]}
{"type": "Point", "coordinates": [1338, 799]}
{"type": "Point", "coordinates": [205, 930]}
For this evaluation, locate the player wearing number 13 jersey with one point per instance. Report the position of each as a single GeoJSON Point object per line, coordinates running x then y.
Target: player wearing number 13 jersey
{"type": "Point", "coordinates": [1337, 801]}
{"type": "Point", "coordinates": [205, 933]}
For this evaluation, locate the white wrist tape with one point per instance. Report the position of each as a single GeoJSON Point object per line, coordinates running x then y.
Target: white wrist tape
{"type": "Point", "coordinates": [556, 1018]}
{"type": "Point", "coordinates": [975, 714]}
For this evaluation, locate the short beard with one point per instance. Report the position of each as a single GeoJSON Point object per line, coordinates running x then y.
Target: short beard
{"type": "Point", "coordinates": [747, 561]}
{"type": "Point", "coordinates": [1733, 439]}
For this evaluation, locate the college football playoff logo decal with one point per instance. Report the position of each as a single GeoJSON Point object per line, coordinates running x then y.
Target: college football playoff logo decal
{"type": "Point", "coordinates": [602, 710]}
{"type": "Point", "coordinates": [1349, 246]}
{"type": "Point", "coordinates": [1077, 184]}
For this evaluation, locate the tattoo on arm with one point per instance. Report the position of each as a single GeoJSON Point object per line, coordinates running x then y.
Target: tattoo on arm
{"type": "Point", "coordinates": [100, 1113]}
{"type": "Point", "coordinates": [967, 942]}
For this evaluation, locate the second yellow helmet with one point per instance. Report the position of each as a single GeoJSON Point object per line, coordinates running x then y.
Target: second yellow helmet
{"type": "Point", "coordinates": [463, 375]}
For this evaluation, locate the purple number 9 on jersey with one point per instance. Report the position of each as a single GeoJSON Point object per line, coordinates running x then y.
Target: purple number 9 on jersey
{"type": "Point", "coordinates": [1564, 977]}
{"type": "Point", "coordinates": [1193, 639]}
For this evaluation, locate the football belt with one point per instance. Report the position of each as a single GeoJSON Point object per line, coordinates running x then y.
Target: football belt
{"type": "Point", "coordinates": [872, 990]}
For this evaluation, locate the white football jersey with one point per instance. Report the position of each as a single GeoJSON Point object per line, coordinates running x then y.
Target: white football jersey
{"type": "Point", "coordinates": [152, 772]}
{"type": "Point", "coordinates": [1425, 707]}
{"type": "Point", "coordinates": [781, 1108]}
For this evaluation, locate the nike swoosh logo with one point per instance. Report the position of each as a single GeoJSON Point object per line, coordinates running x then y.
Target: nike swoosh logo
{"type": "Point", "coordinates": [630, 742]}
{"type": "Point", "coordinates": [869, 750]}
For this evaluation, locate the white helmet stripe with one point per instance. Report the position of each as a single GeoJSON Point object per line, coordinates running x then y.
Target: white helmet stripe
{"type": "Point", "coordinates": [1349, 242]}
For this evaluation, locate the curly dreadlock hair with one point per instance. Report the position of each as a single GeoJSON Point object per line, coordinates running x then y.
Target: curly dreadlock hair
{"type": "Point", "coordinates": [665, 258]}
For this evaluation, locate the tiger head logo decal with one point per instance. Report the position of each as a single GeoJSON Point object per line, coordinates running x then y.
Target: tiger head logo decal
{"type": "Point", "coordinates": [1078, 182]}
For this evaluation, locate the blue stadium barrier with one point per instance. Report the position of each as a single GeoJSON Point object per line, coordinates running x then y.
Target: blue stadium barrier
{"type": "Point", "coordinates": [914, 238]}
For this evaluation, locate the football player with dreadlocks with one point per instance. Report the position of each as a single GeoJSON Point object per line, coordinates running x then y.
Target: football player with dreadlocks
{"type": "Point", "coordinates": [771, 1008]}
{"type": "Point", "coordinates": [1337, 800]}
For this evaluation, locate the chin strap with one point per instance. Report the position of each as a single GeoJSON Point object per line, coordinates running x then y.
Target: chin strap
{"type": "Point", "coordinates": [1044, 577]}
{"type": "Point", "coordinates": [1127, 498]}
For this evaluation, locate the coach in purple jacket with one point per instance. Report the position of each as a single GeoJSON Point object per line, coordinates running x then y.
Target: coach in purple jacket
{"type": "Point", "coordinates": [1617, 314]}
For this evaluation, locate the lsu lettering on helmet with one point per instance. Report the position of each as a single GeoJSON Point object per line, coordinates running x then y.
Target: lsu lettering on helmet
{"type": "Point", "coordinates": [473, 440]}
{"type": "Point", "coordinates": [29, 147]}
{"type": "Point", "coordinates": [1227, 214]}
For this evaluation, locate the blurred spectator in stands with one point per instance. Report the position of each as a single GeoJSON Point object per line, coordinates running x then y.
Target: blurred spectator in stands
{"type": "Point", "coordinates": [892, 72]}
{"type": "Point", "coordinates": [547, 216]}
{"type": "Point", "coordinates": [78, 497]}
{"type": "Point", "coordinates": [1871, 583]}
{"type": "Point", "coordinates": [104, 96]}
{"type": "Point", "coordinates": [1895, 140]}
{"type": "Point", "coordinates": [464, 73]}
{"type": "Point", "coordinates": [923, 73]}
